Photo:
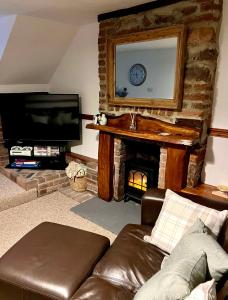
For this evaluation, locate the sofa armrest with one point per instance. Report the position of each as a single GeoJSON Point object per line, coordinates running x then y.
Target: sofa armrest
{"type": "Point", "coordinates": [149, 211]}
{"type": "Point", "coordinates": [152, 202]}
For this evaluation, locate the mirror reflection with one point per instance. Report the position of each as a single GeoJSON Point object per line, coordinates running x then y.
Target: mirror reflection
{"type": "Point", "coordinates": [146, 69]}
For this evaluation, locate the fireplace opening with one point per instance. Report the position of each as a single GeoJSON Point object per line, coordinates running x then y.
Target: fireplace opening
{"type": "Point", "coordinates": [140, 175]}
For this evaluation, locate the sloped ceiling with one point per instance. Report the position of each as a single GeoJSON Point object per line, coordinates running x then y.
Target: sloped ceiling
{"type": "Point", "coordinates": [6, 26]}
{"type": "Point", "coordinates": [34, 50]}
{"type": "Point", "coordinates": [35, 34]}
{"type": "Point", "coordinates": [67, 11]}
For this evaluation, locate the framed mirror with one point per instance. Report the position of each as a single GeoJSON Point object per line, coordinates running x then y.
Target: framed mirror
{"type": "Point", "coordinates": [145, 69]}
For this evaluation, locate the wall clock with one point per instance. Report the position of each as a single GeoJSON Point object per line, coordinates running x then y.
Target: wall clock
{"type": "Point", "coordinates": [137, 74]}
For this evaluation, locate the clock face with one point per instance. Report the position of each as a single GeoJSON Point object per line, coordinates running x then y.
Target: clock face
{"type": "Point", "coordinates": [137, 74]}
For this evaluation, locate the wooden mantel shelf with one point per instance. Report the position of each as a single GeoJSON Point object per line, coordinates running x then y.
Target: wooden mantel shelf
{"type": "Point", "coordinates": [178, 140]}
{"type": "Point", "coordinates": [149, 129]}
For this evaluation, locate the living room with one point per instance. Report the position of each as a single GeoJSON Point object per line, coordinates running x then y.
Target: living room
{"type": "Point", "coordinates": [177, 140]}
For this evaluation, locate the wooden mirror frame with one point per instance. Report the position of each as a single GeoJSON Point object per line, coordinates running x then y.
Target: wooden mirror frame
{"type": "Point", "coordinates": [155, 34]}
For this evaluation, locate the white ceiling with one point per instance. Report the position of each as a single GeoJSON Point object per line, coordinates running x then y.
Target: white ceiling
{"type": "Point", "coordinates": [67, 11]}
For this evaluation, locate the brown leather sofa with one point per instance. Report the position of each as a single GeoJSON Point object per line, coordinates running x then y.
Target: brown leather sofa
{"type": "Point", "coordinates": [130, 261]}
{"type": "Point", "coordinates": [126, 265]}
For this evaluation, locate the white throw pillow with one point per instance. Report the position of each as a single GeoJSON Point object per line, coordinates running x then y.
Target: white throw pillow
{"type": "Point", "coordinates": [177, 215]}
{"type": "Point", "coordinates": [204, 291]}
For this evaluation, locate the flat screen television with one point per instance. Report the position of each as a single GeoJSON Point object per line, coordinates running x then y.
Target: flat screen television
{"type": "Point", "coordinates": [40, 117]}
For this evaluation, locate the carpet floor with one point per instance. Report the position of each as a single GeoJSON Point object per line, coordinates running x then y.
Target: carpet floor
{"type": "Point", "coordinates": [111, 215]}
{"type": "Point", "coordinates": [12, 194]}
{"type": "Point", "coordinates": [17, 221]}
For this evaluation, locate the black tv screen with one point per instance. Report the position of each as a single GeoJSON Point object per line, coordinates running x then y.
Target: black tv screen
{"type": "Point", "coordinates": [40, 117]}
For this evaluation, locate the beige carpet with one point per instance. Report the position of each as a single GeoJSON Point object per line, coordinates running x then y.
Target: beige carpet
{"type": "Point", "coordinates": [17, 221]}
{"type": "Point", "coordinates": [12, 194]}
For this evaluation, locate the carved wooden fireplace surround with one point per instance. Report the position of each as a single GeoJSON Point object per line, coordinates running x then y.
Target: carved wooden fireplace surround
{"type": "Point", "coordinates": [178, 141]}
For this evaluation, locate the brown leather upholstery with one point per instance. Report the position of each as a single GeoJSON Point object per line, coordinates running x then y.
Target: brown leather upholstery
{"type": "Point", "coordinates": [96, 288]}
{"type": "Point", "coordinates": [150, 214]}
{"type": "Point", "coordinates": [122, 270]}
{"type": "Point", "coordinates": [130, 261]}
{"type": "Point", "coordinates": [52, 260]}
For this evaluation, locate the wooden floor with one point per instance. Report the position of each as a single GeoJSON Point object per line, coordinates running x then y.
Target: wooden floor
{"type": "Point", "coordinates": [204, 190]}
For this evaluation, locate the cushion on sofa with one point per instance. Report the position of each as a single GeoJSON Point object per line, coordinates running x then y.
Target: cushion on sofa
{"type": "Point", "coordinates": [95, 288]}
{"type": "Point", "coordinates": [130, 261]}
{"type": "Point", "coordinates": [204, 291]}
{"type": "Point", "coordinates": [196, 240]}
{"type": "Point", "coordinates": [177, 215]}
{"type": "Point", "coordinates": [176, 280]}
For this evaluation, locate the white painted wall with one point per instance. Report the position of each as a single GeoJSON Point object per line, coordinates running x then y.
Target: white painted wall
{"type": "Point", "coordinates": [216, 164]}
{"type": "Point", "coordinates": [23, 88]}
{"type": "Point", "coordinates": [160, 66]}
{"type": "Point", "coordinates": [78, 73]}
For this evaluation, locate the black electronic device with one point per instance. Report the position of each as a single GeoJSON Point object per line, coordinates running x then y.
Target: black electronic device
{"type": "Point", "coordinates": [35, 117]}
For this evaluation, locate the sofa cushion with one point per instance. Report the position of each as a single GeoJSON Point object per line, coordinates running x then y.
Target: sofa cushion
{"type": "Point", "coordinates": [95, 288]}
{"type": "Point", "coordinates": [177, 215]}
{"type": "Point", "coordinates": [51, 260]}
{"type": "Point", "coordinates": [203, 291]}
{"type": "Point", "coordinates": [130, 261]}
{"type": "Point", "coordinates": [196, 240]}
{"type": "Point", "coordinates": [176, 280]}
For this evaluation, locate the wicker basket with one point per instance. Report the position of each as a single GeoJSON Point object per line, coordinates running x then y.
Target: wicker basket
{"type": "Point", "coordinates": [79, 184]}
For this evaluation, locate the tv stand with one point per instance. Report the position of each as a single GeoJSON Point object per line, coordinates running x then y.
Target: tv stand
{"type": "Point", "coordinates": [37, 155]}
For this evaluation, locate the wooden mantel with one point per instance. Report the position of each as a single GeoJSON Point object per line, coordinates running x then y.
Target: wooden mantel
{"type": "Point", "coordinates": [178, 141]}
{"type": "Point", "coordinates": [150, 129]}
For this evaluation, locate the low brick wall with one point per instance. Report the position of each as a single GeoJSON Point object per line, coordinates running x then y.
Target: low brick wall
{"type": "Point", "coordinates": [92, 170]}
{"type": "Point", "coordinates": [45, 181]}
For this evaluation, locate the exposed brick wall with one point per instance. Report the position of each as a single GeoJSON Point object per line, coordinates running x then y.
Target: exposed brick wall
{"type": "Point", "coordinates": [120, 156]}
{"type": "Point", "coordinates": [202, 19]}
{"type": "Point", "coordinates": [92, 172]}
{"type": "Point", "coordinates": [162, 168]}
{"type": "Point", "coordinates": [44, 181]}
{"type": "Point", "coordinates": [195, 166]}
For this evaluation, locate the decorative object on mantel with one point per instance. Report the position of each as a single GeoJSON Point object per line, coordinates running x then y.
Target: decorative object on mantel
{"type": "Point", "coordinates": [222, 191]}
{"type": "Point", "coordinates": [76, 172]}
{"type": "Point", "coordinates": [133, 121]}
{"type": "Point", "coordinates": [100, 119]}
{"type": "Point", "coordinates": [103, 119]}
{"type": "Point", "coordinates": [121, 92]}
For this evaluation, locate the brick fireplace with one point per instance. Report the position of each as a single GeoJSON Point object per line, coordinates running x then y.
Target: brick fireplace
{"type": "Point", "coordinates": [123, 152]}
{"type": "Point", "coordinates": [202, 21]}
{"type": "Point", "coordinates": [176, 148]}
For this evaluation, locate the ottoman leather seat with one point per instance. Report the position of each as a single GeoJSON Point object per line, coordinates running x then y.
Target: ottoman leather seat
{"type": "Point", "coordinates": [52, 261]}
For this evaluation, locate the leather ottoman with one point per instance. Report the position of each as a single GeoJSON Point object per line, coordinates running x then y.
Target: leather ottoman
{"type": "Point", "coordinates": [50, 262]}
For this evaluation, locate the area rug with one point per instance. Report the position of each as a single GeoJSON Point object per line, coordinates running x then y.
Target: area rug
{"type": "Point", "coordinates": [17, 221]}
{"type": "Point", "coordinates": [111, 215]}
